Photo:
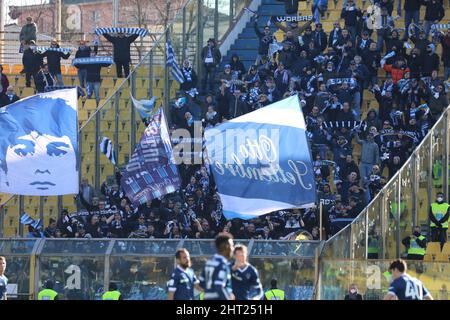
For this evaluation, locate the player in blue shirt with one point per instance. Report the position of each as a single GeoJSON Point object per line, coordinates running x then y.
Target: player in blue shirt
{"type": "Point", "coordinates": [3, 278]}
{"type": "Point", "coordinates": [244, 277]}
{"type": "Point", "coordinates": [183, 280]}
{"type": "Point", "coordinates": [216, 276]}
{"type": "Point", "coordinates": [403, 286]}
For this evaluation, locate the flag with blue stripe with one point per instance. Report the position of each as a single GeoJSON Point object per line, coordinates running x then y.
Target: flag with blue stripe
{"type": "Point", "coordinates": [146, 108]}
{"type": "Point", "coordinates": [172, 62]}
{"type": "Point", "coordinates": [261, 161]}
{"type": "Point", "coordinates": [106, 147]}
{"type": "Point", "coordinates": [26, 219]}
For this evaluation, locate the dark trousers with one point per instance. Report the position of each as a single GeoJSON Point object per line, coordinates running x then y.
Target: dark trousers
{"type": "Point", "coordinates": [439, 235]}
{"type": "Point", "coordinates": [28, 76]}
{"type": "Point", "coordinates": [209, 73]}
{"type": "Point", "coordinates": [122, 64]}
{"type": "Point", "coordinates": [415, 257]}
{"type": "Point", "coordinates": [372, 256]}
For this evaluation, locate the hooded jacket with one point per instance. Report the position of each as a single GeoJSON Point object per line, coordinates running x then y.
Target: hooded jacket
{"type": "Point", "coordinates": [430, 61]}
{"type": "Point", "coordinates": [28, 32]}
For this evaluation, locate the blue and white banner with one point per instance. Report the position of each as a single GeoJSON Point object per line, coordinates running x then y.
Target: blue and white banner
{"type": "Point", "coordinates": [43, 49]}
{"type": "Point", "coordinates": [38, 145]}
{"type": "Point", "coordinates": [261, 161]}
{"type": "Point", "coordinates": [151, 172]}
{"type": "Point", "coordinates": [140, 31]}
{"type": "Point", "coordinates": [105, 60]}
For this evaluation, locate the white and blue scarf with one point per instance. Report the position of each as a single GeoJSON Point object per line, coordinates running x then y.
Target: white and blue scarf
{"type": "Point", "coordinates": [43, 49]}
{"type": "Point", "coordinates": [93, 60]}
{"type": "Point", "coordinates": [140, 31]}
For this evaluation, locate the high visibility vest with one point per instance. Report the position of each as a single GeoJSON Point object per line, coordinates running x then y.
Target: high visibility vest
{"type": "Point", "coordinates": [394, 209]}
{"type": "Point", "coordinates": [438, 174]}
{"type": "Point", "coordinates": [47, 294]}
{"type": "Point", "coordinates": [372, 245]}
{"type": "Point", "coordinates": [111, 295]}
{"type": "Point", "coordinates": [439, 210]}
{"type": "Point", "coordinates": [414, 247]}
{"type": "Point", "coordinates": [274, 294]}
{"type": "Point", "coordinates": [201, 296]}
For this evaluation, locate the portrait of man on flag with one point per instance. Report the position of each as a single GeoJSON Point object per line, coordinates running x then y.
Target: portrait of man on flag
{"type": "Point", "coordinates": [38, 145]}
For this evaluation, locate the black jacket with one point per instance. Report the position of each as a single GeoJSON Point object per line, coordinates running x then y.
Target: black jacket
{"type": "Point", "coordinates": [5, 100]}
{"type": "Point", "coordinates": [32, 61]}
{"type": "Point", "coordinates": [54, 60]}
{"type": "Point", "coordinates": [93, 72]}
{"type": "Point", "coordinates": [412, 5]}
{"type": "Point", "coordinates": [351, 17]}
{"type": "Point", "coordinates": [434, 10]}
{"type": "Point", "coordinates": [237, 106]}
{"type": "Point", "coordinates": [121, 46]}
{"type": "Point", "coordinates": [264, 40]}
{"type": "Point", "coordinates": [84, 52]}
{"type": "Point", "coordinates": [217, 56]}
{"type": "Point", "coordinates": [291, 6]}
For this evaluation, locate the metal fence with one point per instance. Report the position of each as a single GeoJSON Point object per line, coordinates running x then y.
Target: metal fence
{"type": "Point", "coordinates": [115, 118]}
{"type": "Point", "coordinates": [402, 204]}
{"type": "Point", "coordinates": [82, 268]}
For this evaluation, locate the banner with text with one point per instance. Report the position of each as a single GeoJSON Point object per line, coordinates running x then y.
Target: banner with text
{"type": "Point", "coordinates": [151, 172]}
{"type": "Point", "coordinates": [261, 161]}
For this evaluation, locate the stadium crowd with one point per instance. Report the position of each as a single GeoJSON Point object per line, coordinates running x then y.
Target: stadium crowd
{"type": "Point", "coordinates": [330, 73]}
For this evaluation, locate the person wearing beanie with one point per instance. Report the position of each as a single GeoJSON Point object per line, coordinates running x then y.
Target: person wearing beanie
{"type": "Point", "coordinates": [431, 61]}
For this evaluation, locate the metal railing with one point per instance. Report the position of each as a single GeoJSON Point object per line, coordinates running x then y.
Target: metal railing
{"type": "Point", "coordinates": [115, 117]}
{"type": "Point", "coordinates": [402, 203]}
{"type": "Point", "coordinates": [82, 268]}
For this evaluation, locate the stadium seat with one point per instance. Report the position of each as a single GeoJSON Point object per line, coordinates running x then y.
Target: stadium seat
{"type": "Point", "coordinates": [440, 257]}
{"type": "Point", "coordinates": [446, 249]}
{"type": "Point", "coordinates": [433, 248]}
{"type": "Point", "coordinates": [26, 92]}
{"type": "Point", "coordinates": [16, 69]}
{"type": "Point", "coordinates": [428, 258]}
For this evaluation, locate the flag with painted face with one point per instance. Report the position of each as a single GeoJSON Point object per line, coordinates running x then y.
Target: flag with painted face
{"type": "Point", "coordinates": [38, 145]}
{"type": "Point", "coordinates": [261, 161]}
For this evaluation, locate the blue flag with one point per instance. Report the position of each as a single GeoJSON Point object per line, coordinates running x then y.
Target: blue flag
{"type": "Point", "coordinates": [261, 161]}
{"type": "Point", "coordinates": [38, 145]}
{"type": "Point", "coordinates": [144, 107]}
{"type": "Point", "coordinates": [172, 62]}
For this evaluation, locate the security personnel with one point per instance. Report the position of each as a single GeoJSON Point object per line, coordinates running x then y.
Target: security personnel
{"type": "Point", "coordinates": [274, 293]}
{"type": "Point", "coordinates": [113, 293]}
{"type": "Point", "coordinates": [373, 244]}
{"type": "Point", "coordinates": [48, 293]}
{"type": "Point", "coordinates": [416, 245]}
{"type": "Point", "coordinates": [439, 214]}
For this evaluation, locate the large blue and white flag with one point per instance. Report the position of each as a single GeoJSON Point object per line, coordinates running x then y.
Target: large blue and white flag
{"type": "Point", "coordinates": [261, 161]}
{"type": "Point", "coordinates": [172, 62]}
{"type": "Point", "coordinates": [38, 145]}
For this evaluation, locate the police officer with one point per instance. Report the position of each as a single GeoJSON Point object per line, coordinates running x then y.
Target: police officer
{"type": "Point", "coordinates": [416, 245]}
{"type": "Point", "coordinates": [274, 293]}
{"type": "Point", "coordinates": [113, 293]}
{"type": "Point", "coordinates": [439, 214]}
{"type": "Point", "coordinates": [48, 293]}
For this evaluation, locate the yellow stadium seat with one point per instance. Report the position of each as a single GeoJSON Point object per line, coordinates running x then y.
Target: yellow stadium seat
{"type": "Point", "coordinates": [16, 69]}
{"type": "Point", "coordinates": [108, 82]}
{"type": "Point", "coordinates": [90, 104]}
{"type": "Point", "coordinates": [6, 69]}
{"type": "Point", "coordinates": [440, 257]}
{"type": "Point", "coordinates": [433, 248]}
{"type": "Point", "coordinates": [26, 92]}
{"type": "Point", "coordinates": [446, 249]}
{"type": "Point", "coordinates": [72, 70]}
{"type": "Point", "coordinates": [428, 258]}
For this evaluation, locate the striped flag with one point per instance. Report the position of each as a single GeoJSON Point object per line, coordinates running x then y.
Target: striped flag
{"type": "Point", "coordinates": [171, 62]}
{"type": "Point", "coordinates": [36, 224]}
{"type": "Point", "coordinates": [26, 219]}
{"type": "Point", "coordinates": [106, 147]}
